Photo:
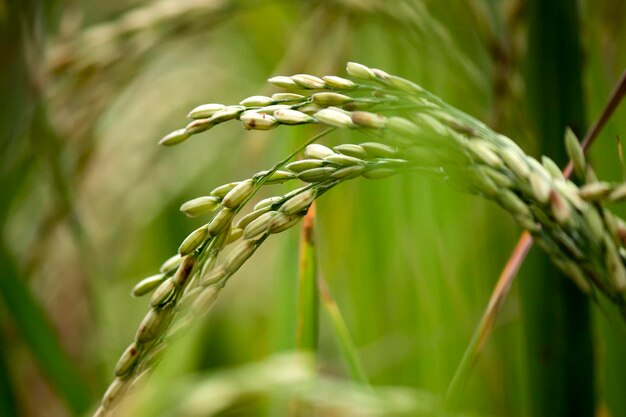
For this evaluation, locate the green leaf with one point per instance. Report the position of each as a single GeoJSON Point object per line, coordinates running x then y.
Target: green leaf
{"type": "Point", "coordinates": [41, 339]}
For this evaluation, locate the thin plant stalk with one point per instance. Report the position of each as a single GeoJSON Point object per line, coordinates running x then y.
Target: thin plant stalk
{"type": "Point", "coordinates": [307, 316]}
{"type": "Point", "coordinates": [308, 295]}
{"type": "Point", "coordinates": [483, 331]}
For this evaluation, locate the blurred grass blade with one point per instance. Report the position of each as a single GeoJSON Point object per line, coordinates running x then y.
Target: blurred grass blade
{"type": "Point", "coordinates": [344, 341]}
{"type": "Point", "coordinates": [30, 320]}
{"type": "Point", "coordinates": [293, 374]}
{"type": "Point", "coordinates": [7, 405]}
{"type": "Point", "coordinates": [308, 296]}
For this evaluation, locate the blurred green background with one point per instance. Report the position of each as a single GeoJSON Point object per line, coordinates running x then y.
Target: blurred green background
{"type": "Point", "coordinates": [89, 202]}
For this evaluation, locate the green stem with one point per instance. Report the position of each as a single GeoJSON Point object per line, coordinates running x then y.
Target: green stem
{"type": "Point", "coordinates": [556, 314]}
{"type": "Point", "coordinates": [8, 406]}
{"type": "Point", "coordinates": [483, 331]}
{"type": "Point", "coordinates": [308, 296]}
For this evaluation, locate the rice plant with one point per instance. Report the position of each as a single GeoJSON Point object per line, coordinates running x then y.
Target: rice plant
{"type": "Point", "coordinates": [352, 250]}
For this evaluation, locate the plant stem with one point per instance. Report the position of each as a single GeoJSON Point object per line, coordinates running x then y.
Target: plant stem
{"type": "Point", "coordinates": [308, 295]}
{"type": "Point", "coordinates": [556, 313]}
{"type": "Point", "coordinates": [483, 331]}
